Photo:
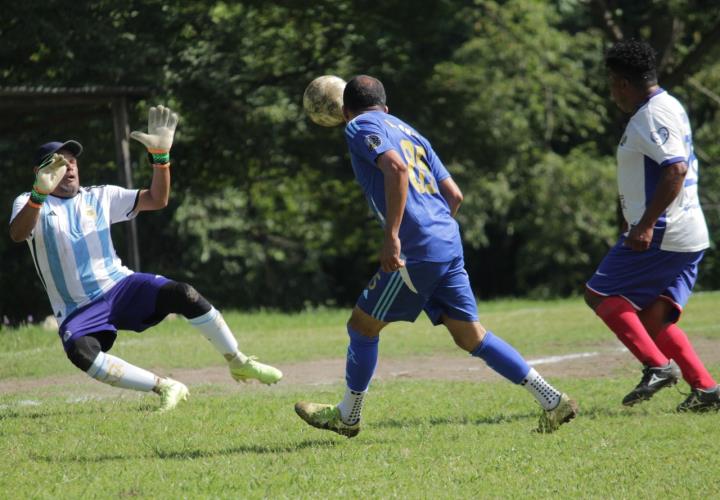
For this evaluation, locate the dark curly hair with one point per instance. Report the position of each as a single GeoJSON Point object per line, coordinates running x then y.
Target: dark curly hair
{"type": "Point", "coordinates": [363, 92]}
{"type": "Point", "coordinates": [634, 60]}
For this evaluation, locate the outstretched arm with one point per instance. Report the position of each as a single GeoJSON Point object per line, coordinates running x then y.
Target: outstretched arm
{"type": "Point", "coordinates": [158, 195]}
{"type": "Point", "coordinates": [396, 188]}
{"type": "Point", "coordinates": [158, 141]}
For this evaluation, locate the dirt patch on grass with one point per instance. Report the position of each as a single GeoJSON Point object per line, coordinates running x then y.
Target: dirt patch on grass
{"type": "Point", "coordinates": [607, 360]}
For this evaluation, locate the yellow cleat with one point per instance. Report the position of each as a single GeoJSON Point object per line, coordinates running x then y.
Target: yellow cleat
{"type": "Point", "coordinates": [253, 369]}
{"type": "Point", "coordinates": [326, 417]}
{"type": "Point", "coordinates": [551, 420]}
{"type": "Point", "coordinates": [171, 393]}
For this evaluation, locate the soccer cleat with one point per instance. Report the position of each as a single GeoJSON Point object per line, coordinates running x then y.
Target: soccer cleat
{"type": "Point", "coordinates": [326, 417]}
{"type": "Point", "coordinates": [253, 369]}
{"type": "Point", "coordinates": [653, 379]}
{"type": "Point", "coordinates": [700, 401]}
{"type": "Point", "coordinates": [565, 411]}
{"type": "Point", "coordinates": [171, 393]}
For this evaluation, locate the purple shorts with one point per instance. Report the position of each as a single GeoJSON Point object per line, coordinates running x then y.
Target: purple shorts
{"type": "Point", "coordinates": [129, 305]}
{"type": "Point", "coordinates": [442, 288]}
{"type": "Point", "coordinates": [643, 277]}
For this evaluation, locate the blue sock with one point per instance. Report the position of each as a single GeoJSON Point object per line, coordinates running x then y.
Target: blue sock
{"type": "Point", "coordinates": [362, 356]}
{"type": "Point", "coordinates": [502, 357]}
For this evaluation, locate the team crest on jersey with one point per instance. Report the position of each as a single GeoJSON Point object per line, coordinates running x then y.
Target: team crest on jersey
{"type": "Point", "coordinates": [660, 136]}
{"type": "Point", "coordinates": [373, 141]}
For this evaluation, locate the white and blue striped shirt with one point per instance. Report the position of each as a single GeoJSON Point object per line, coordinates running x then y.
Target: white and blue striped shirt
{"type": "Point", "coordinates": [71, 244]}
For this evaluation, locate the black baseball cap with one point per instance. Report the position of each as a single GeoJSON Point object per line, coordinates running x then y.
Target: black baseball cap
{"type": "Point", "coordinates": [53, 147]}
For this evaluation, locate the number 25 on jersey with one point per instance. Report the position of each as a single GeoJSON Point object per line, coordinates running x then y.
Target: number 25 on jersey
{"type": "Point", "coordinates": [418, 172]}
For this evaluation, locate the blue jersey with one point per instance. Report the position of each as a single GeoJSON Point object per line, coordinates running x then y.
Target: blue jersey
{"type": "Point", "coordinates": [428, 232]}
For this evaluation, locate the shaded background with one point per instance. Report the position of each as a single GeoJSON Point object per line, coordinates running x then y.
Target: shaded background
{"type": "Point", "coordinates": [264, 211]}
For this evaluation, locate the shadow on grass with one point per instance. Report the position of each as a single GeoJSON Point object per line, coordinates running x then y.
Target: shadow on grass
{"type": "Point", "coordinates": [594, 412]}
{"type": "Point", "coordinates": [244, 449]}
{"type": "Point", "coordinates": [589, 412]}
{"type": "Point", "coordinates": [459, 420]}
{"type": "Point", "coordinates": [191, 454]}
{"type": "Point", "coordinates": [70, 409]}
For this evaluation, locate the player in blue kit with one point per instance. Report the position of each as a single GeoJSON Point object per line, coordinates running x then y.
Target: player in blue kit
{"type": "Point", "coordinates": [92, 294]}
{"type": "Point", "coordinates": [421, 262]}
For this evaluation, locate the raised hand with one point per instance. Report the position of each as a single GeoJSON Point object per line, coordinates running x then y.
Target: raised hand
{"type": "Point", "coordinates": [48, 176]}
{"type": "Point", "coordinates": [159, 137]}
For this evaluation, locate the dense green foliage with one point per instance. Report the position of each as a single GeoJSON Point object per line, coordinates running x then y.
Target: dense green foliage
{"type": "Point", "coordinates": [264, 210]}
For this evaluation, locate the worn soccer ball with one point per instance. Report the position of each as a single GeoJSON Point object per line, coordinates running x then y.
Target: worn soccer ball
{"type": "Point", "coordinates": [323, 99]}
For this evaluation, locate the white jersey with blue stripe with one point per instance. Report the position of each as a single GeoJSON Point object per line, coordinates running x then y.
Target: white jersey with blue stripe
{"type": "Point", "coordinates": [658, 135]}
{"type": "Point", "coordinates": [71, 244]}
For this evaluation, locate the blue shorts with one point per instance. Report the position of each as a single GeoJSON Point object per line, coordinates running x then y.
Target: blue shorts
{"type": "Point", "coordinates": [643, 277]}
{"type": "Point", "coordinates": [443, 288]}
{"type": "Point", "coordinates": [129, 305]}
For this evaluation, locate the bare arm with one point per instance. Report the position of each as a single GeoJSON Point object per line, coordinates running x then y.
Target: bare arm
{"type": "Point", "coordinates": [452, 194]}
{"type": "Point", "coordinates": [158, 195]}
{"type": "Point", "coordinates": [396, 188]}
{"type": "Point", "coordinates": [158, 141]}
{"type": "Point", "coordinates": [668, 187]}
{"type": "Point", "coordinates": [24, 222]}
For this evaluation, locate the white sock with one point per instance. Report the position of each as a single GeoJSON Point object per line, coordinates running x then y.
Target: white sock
{"type": "Point", "coordinates": [351, 406]}
{"type": "Point", "coordinates": [546, 395]}
{"type": "Point", "coordinates": [119, 373]}
{"type": "Point", "coordinates": [213, 327]}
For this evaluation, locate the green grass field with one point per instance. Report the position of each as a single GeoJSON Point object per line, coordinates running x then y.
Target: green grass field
{"type": "Point", "coordinates": [420, 438]}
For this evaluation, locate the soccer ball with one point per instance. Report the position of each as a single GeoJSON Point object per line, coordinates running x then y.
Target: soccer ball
{"type": "Point", "coordinates": [323, 99]}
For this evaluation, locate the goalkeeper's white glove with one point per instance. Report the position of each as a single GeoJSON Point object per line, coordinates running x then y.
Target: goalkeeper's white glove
{"type": "Point", "coordinates": [48, 176]}
{"type": "Point", "coordinates": [159, 138]}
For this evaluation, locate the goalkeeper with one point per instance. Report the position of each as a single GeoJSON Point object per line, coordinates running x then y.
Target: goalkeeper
{"type": "Point", "coordinates": [92, 294]}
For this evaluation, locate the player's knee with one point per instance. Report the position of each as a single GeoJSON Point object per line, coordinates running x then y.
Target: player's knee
{"type": "Point", "coordinates": [466, 343]}
{"type": "Point", "coordinates": [592, 299]}
{"type": "Point", "coordinates": [364, 324]}
{"type": "Point", "coordinates": [182, 298]}
{"type": "Point", "coordinates": [469, 340]}
{"type": "Point", "coordinates": [83, 351]}
{"type": "Point", "coordinates": [186, 293]}
{"type": "Point", "coordinates": [657, 317]}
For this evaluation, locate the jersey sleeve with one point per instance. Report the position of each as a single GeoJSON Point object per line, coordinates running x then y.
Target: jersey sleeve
{"type": "Point", "coordinates": [661, 139]}
{"type": "Point", "coordinates": [367, 139]}
{"type": "Point", "coordinates": [122, 203]}
{"type": "Point", "coordinates": [18, 205]}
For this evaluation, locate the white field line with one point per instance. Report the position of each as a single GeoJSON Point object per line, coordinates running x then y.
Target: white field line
{"type": "Point", "coordinates": [565, 357]}
{"type": "Point", "coordinates": [532, 362]}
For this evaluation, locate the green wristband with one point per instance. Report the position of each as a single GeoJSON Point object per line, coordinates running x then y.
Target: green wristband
{"type": "Point", "coordinates": [159, 158]}
{"type": "Point", "coordinates": [37, 198]}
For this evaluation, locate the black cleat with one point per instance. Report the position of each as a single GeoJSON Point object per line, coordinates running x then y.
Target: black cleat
{"type": "Point", "coordinates": [654, 378]}
{"type": "Point", "coordinates": [700, 401]}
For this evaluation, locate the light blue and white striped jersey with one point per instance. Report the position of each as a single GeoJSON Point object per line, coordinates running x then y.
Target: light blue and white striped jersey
{"type": "Point", "coordinates": [71, 244]}
{"type": "Point", "coordinates": [658, 135]}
